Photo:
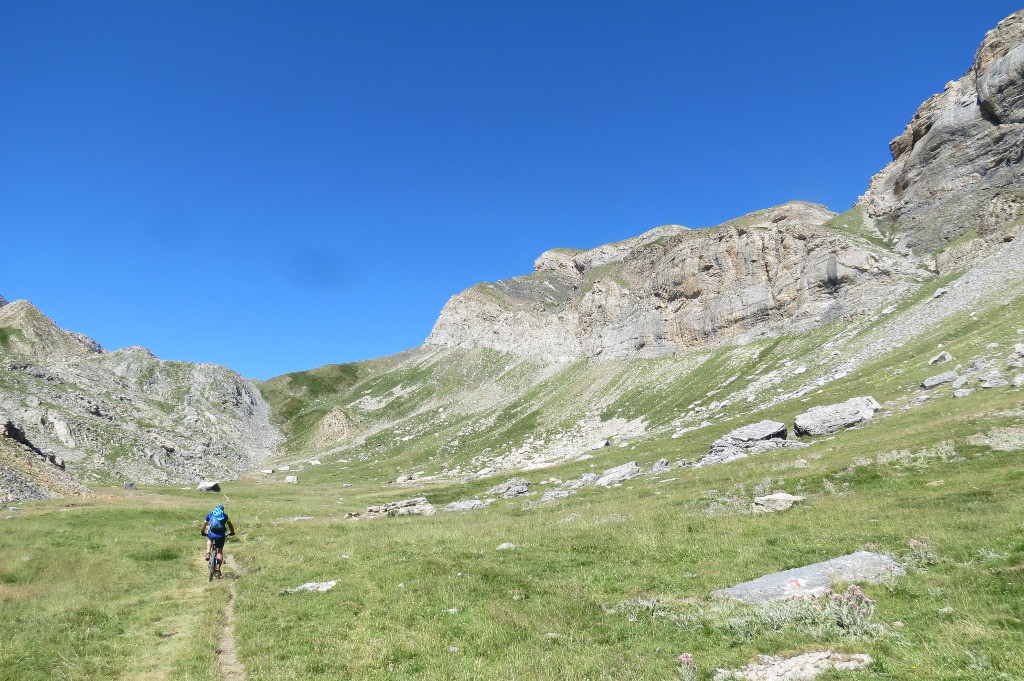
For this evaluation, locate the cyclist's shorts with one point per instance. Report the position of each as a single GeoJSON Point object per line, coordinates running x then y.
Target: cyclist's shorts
{"type": "Point", "coordinates": [217, 541]}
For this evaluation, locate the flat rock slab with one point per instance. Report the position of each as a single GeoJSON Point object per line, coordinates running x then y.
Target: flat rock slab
{"type": "Point", "coordinates": [799, 668]}
{"type": "Point", "coordinates": [514, 487]}
{"type": "Point", "coordinates": [773, 503]}
{"type": "Point", "coordinates": [619, 474]}
{"type": "Point", "coordinates": [835, 417]}
{"type": "Point", "coordinates": [939, 379]}
{"type": "Point", "coordinates": [319, 587]}
{"type": "Point", "coordinates": [814, 580]}
{"type": "Point", "coordinates": [762, 430]}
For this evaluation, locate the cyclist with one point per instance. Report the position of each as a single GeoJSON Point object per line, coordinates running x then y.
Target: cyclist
{"type": "Point", "coordinates": [214, 527]}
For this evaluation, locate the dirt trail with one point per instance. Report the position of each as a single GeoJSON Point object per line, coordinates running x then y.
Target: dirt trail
{"type": "Point", "coordinates": [231, 668]}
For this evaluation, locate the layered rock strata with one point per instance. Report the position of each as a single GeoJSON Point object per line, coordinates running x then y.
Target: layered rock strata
{"type": "Point", "coordinates": [673, 290]}
{"type": "Point", "coordinates": [956, 169]}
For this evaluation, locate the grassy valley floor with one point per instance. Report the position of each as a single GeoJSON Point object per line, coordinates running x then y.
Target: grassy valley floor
{"type": "Point", "coordinates": [604, 584]}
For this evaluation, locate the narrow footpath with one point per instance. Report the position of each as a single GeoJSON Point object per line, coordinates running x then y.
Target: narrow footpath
{"type": "Point", "coordinates": [231, 668]}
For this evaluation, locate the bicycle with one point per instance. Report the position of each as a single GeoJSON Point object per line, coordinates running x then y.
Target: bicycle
{"type": "Point", "coordinates": [214, 563]}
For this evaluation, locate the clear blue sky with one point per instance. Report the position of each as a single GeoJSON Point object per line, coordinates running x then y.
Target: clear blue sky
{"type": "Point", "coordinates": [279, 185]}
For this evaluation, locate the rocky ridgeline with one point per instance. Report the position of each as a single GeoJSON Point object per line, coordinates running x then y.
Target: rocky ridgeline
{"type": "Point", "coordinates": [124, 415]}
{"type": "Point", "coordinates": [956, 167]}
{"type": "Point", "coordinates": [673, 290]}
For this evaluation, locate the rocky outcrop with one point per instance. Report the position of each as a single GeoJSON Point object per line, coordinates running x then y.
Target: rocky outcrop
{"type": "Point", "coordinates": [673, 290]}
{"type": "Point", "coordinates": [3, 301]}
{"type": "Point", "coordinates": [956, 167]}
{"type": "Point", "coordinates": [125, 415]}
{"type": "Point", "coordinates": [416, 506]}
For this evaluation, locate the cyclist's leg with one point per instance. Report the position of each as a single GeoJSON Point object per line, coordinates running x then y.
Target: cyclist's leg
{"type": "Point", "coordinates": [208, 545]}
{"type": "Point", "coordinates": [220, 552]}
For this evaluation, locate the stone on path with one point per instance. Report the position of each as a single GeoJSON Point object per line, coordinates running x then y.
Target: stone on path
{"type": "Point", "coordinates": [773, 503]}
{"type": "Point", "coordinates": [939, 379]}
{"type": "Point", "coordinates": [619, 474]}
{"type": "Point", "coordinates": [416, 506]}
{"type": "Point", "coordinates": [834, 417]}
{"type": "Point", "coordinates": [799, 668]}
{"type": "Point", "coordinates": [814, 580]}
{"type": "Point", "coordinates": [208, 486]}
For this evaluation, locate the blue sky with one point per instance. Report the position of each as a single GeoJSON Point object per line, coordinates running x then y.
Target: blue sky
{"type": "Point", "coordinates": [274, 186]}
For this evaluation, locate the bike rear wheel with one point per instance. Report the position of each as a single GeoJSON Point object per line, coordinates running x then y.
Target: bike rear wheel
{"type": "Point", "coordinates": [213, 563]}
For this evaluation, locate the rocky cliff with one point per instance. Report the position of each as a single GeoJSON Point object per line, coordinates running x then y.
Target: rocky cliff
{"type": "Point", "coordinates": [672, 290]}
{"type": "Point", "coordinates": [123, 415]}
{"type": "Point", "coordinates": [955, 181]}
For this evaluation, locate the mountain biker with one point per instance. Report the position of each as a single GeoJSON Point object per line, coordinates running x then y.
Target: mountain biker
{"type": "Point", "coordinates": [214, 528]}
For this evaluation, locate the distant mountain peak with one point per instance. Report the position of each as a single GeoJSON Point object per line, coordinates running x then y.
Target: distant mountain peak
{"type": "Point", "coordinates": [3, 301]}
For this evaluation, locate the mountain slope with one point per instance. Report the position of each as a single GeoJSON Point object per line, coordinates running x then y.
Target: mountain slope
{"type": "Point", "coordinates": [125, 415]}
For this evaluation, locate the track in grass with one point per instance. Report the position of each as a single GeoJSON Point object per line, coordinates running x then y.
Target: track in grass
{"type": "Point", "coordinates": [231, 668]}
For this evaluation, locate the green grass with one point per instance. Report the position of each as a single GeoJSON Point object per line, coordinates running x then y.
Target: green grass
{"type": "Point", "coordinates": [90, 588]}
{"type": "Point", "coordinates": [7, 333]}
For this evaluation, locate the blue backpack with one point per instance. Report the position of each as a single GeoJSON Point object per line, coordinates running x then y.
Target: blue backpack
{"type": "Point", "coordinates": [217, 520]}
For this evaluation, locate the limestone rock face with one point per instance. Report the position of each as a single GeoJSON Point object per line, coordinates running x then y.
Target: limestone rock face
{"type": "Point", "coordinates": [956, 167]}
{"type": "Point", "coordinates": [3, 301]}
{"type": "Point", "coordinates": [125, 415]}
{"type": "Point", "coordinates": [672, 290]}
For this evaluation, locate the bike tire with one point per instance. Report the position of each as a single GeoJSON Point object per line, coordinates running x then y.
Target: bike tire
{"type": "Point", "coordinates": [213, 562]}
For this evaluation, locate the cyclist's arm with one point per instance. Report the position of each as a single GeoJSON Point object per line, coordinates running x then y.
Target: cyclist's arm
{"type": "Point", "coordinates": [231, 527]}
{"type": "Point", "coordinates": [205, 525]}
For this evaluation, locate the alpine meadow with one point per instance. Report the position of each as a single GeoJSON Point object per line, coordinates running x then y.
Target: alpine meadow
{"type": "Point", "coordinates": [786, 447]}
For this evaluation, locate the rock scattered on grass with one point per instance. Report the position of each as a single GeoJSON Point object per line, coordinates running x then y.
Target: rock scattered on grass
{"type": "Point", "coordinates": [773, 503]}
{"type": "Point", "coordinates": [319, 587]}
{"type": "Point", "coordinates": [208, 486]}
{"type": "Point", "coordinates": [835, 417]}
{"type": "Point", "coordinates": [557, 494]}
{"type": "Point", "coordinates": [291, 479]}
{"type": "Point", "coordinates": [465, 505]}
{"type": "Point", "coordinates": [507, 546]}
{"type": "Point", "coordinates": [416, 506]}
{"type": "Point", "coordinates": [941, 358]}
{"type": "Point", "coordinates": [939, 379]}
{"type": "Point", "coordinates": [799, 668]}
{"type": "Point", "coordinates": [751, 439]}
{"type": "Point", "coordinates": [514, 487]}
{"type": "Point", "coordinates": [619, 474]}
{"type": "Point", "coordinates": [812, 581]}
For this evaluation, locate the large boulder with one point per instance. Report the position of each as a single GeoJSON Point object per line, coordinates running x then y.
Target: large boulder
{"type": "Point", "coordinates": [208, 486]}
{"type": "Point", "coordinates": [835, 417]}
{"type": "Point", "coordinates": [619, 474]}
{"type": "Point", "coordinates": [754, 438]}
